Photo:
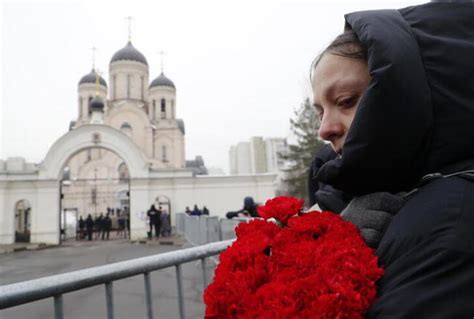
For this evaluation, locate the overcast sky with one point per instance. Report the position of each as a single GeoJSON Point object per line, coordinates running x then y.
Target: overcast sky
{"type": "Point", "coordinates": [240, 68]}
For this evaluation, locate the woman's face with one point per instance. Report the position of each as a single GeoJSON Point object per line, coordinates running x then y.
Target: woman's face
{"type": "Point", "coordinates": [338, 84]}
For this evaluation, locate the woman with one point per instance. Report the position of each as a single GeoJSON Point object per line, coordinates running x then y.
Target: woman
{"type": "Point", "coordinates": [396, 102]}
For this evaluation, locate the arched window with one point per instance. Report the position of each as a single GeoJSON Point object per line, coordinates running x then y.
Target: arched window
{"type": "Point", "coordinates": [114, 86]}
{"type": "Point", "coordinates": [127, 129]}
{"type": "Point", "coordinates": [80, 107]}
{"type": "Point", "coordinates": [66, 173]}
{"type": "Point", "coordinates": [89, 105]}
{"type": "Point", "coordinates": [164, 157]}
{"type": "Point", "coordinates": [163, 108]}
{"type": "Point", "coordinates": [123, 173]}
{"type": "Point", "coordinates": [173, 114]}
{"type": "Point", "coordinates": [128, 84]}
{"type": "Point", "coordinates": [94, 196]}
{"type": "Point", "coordinates": [22, 221]}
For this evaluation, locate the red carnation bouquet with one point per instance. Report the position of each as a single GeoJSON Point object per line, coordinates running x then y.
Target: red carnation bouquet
{"type": "Point", "coordinates": [294, 265]}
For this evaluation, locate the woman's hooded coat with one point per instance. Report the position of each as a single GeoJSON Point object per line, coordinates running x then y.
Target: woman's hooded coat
{"type": "Point", "coordinates": [417, 118]}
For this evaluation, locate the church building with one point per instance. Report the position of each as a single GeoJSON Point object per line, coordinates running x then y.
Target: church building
{"type": "Point", "coordinates": [123, 153]}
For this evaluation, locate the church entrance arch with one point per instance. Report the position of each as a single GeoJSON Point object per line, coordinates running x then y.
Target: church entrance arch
{"type": "Point", "coordinates": [22, 221]}
{"type": "Point", "coordinates": [131, 169]}
{"type": "Point", "coordinates": [96, 183]}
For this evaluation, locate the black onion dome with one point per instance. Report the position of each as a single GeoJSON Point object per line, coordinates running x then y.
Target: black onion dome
{"type": "Point", "coordinates": [162, 80]}
{"type": "Point", "coordinates": [97, 104]}
{"type": "Point", "coordinates": [180, 123]}
{"type": "Point", "coordinates": [129, 53]}
{"type": "Point", "coordinates": [91, 78]}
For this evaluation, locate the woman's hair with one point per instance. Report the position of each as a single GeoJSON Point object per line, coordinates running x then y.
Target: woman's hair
{"type": "Point", "coordinates": [346, 45]}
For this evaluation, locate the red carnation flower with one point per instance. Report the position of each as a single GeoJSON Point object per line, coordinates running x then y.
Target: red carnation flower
{"type": "Point", "coordinates": [281, 208]}
{"type": "Point", "coordinates": [318, 266]}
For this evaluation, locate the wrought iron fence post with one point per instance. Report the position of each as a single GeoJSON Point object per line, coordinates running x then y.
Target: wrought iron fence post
{"type": "Point", "coordinates": [179, 282]}
{"type": "Point", "coordinates": [148, 296]}
{"type": "Point", "coordinates": [58, 307]}
{"type": "Point", "coordinates": [204, 275]}
{"type": "Point", "coordinates": [109, 297]}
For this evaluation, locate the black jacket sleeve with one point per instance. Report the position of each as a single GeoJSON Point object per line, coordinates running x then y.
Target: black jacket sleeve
{"type": "Point", "coordinates": [327, 197]}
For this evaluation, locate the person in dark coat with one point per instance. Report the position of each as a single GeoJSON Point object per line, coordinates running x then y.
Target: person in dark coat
{"type": "Point", "coordinates": [397, 105]}
{"type": "Point", "coordinates": [99, 226]}
{"type": "Point", "coordinates": [188, 211]}
{"type": "Point", "coordinates": [165, 223]}
{"type": "Point", "coordinates": [89, 226]}
{"type": "Point", "coordinates": [205, 211]}
{"type": "Point", "coordinates": [196, 211]}
{"type": "Point", "coordinates": [82, 225]}
{"type": "Point", "coordinates": [106, 226]}
{"type": "Point", "coordinates": [249, 209]}
{"type": "Point", "coordinates": [154, 216]}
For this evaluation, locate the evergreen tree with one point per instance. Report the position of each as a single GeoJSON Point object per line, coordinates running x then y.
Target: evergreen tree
{"type": "Point", "coordinates": [305, 127]}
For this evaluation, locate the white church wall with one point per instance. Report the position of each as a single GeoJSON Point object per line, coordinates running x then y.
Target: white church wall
{"type": "Point", "coordinates": [164, 150]}
{"type": "Point", "coordinates": [7, 235]}
{"type": "Point", "coordinates": [219, 194]}
{"type": "Point", "coordinates": [139, 195]}
{"type": "Point", "coordinates": [136, 118]}
{"type": "Point", "coordinates": [178, 149]}
{"type": "Point", "coordinates": [162, 92]}
{"type": "Point", "coordinates": [45, 222]}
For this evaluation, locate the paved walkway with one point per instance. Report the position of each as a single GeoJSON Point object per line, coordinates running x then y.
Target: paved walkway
{"type": "Point", "coordinates": [90, 303]}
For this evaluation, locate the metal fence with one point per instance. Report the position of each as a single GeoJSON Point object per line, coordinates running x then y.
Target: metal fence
{"type": "Point", "coordinates": [200, 230]}
{"type": "Point", "coordinates": [55, 286]}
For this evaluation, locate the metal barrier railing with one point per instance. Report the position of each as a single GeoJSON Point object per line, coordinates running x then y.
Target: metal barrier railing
{"type": "Point", "coordinates": [200, 230]}
{"type": "Point", "coordinates": [55, 286]}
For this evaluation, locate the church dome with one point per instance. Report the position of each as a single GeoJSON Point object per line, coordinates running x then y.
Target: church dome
{"type": "Point", "coordinates": [97, 104]}
{"type": "Point", "coordinates": [129, 53]}
{"type": "Point", "coordinates": [162, 80]}
{"type": "Point", "coordinates": [91, 78]}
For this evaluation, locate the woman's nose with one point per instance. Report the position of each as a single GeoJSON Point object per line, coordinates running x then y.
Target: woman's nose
{"type": "Point", "coordinates": [331, 128]}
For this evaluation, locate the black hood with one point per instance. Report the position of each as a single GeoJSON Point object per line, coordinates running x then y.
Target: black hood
{"type": "Point", "coordinates": [417, 115]}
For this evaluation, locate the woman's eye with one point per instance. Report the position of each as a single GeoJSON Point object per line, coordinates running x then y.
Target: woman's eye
{"type": "Point", "coordinates": [348, 102]}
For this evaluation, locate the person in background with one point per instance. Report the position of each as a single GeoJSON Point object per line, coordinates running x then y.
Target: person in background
{"type": "Point", "coordinates": [89, 226]}
{"type": "Point", "coordinates": [99, 226]}
{"type": "Point", "coordinates": [154, 220]}
{"type": "Point", "coordinates": [165, 223]}
{"type": "Point", "coordinates": [158, 221]}
{"type": "Point", "coordinates": [82, 224]}
{"type": "Point", "coordinates": [249, 209]}
{"type": "Point", "coordinates": [196, 211]}
{"type": "Point", "coordinates": [121, 226]}
{"type": "Point", "coordinates": [205, 211]}
{"type": "Point", "coordinates": [106, 227]}
{"type": "Point", "coordinates": [188, 211]}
